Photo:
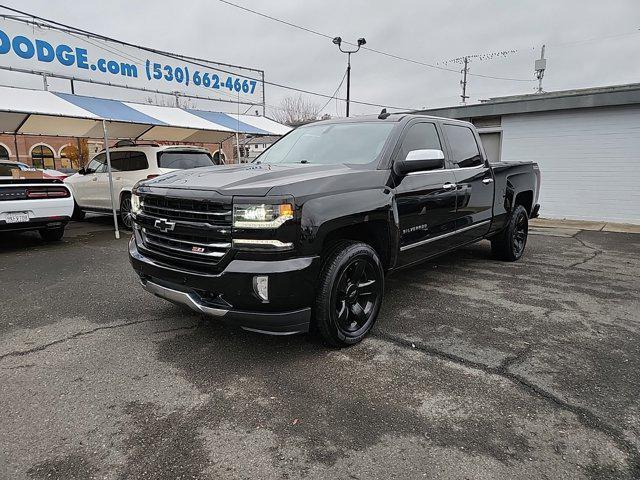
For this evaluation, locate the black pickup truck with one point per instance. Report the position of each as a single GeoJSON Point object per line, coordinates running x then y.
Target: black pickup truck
{"type": "Point", "coordinates": [303, 237]}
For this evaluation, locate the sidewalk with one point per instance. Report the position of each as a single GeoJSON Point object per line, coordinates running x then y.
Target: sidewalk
{"type": "Point", "coordinates": [585, 225]}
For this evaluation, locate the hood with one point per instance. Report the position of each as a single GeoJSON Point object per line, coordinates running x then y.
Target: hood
{"type": "Point", "coordinates": [247, 179]}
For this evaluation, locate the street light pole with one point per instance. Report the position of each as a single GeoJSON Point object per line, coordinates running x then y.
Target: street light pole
{"type": "Point", "coordinates": [338, 41]}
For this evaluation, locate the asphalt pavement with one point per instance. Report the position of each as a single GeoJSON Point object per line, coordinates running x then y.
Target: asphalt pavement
{"type": "Point", "coordinates": [476, 369]}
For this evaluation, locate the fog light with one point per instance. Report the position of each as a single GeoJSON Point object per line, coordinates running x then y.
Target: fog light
{"type": "Point", "coordinates": [261, 287]}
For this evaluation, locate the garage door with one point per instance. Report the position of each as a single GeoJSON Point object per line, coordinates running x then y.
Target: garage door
{"type": "Point", "coordinates": [589, 159]}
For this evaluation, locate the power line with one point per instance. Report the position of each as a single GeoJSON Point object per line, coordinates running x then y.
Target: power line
{"type": "Point", "coordinates": [194, 61]}
{"type": "Point", "coordinates": [334, 93]}
{"type": "Point", "coordinates": [379, 52]}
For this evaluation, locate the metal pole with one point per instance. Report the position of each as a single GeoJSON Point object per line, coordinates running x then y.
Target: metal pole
{"type": "Point", "coordinates": [264, 102]}
{"type": "Point", "coordinates": [15, 143]}
{"type": "Point", "coordinates": [238, 128]}
{"type": "Point", "coordinates": [113, 198]}
{"type": "Point", "coordinates": [348, 81]}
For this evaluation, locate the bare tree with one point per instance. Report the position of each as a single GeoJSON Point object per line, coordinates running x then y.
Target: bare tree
{"type": "Point", "coordinates": [294, 111]}
{"type": "Point", "coordinates": [163, 101]}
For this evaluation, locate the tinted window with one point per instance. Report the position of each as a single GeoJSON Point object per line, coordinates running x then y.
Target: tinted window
{"type": "Point", "coordinates": [118, 161]}
{"type": "Point", "coordinates": [420, 136]}
{"type": "Point", "coordinates": [137, 161]}
{"type": "Point", "coordinates": [184, 160]}
{"type": "Point", "coordinates": [463, 146]}
{"type": "Point", "coordinates": [330, 144]}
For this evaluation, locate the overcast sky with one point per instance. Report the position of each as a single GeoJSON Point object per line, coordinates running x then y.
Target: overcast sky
{"type": "Point", "coordinates": [589, 43]}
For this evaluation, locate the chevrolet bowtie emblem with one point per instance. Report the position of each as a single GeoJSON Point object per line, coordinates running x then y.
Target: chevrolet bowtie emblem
{"type": "Point", "coordinates": [164, 225]}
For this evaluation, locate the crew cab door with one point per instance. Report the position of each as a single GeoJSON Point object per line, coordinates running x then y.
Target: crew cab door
{"type": "Point", "coordinates": [474, 183]}
{"type": "Point", "coordinates": [425, 200]}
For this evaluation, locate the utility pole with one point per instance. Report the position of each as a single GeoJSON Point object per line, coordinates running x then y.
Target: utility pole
{"type": "Point", "coordinates": [540, 67]}
{"type": "Point", "coordinates": [348, 81]}
{"type": "Point", "coordinates": [463, 82]}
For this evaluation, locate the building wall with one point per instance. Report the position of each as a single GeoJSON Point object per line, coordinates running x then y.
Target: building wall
{"type": "Point", "coordinates": [25, 144]}
{"type": "Point", "coordinates": [589, 160]}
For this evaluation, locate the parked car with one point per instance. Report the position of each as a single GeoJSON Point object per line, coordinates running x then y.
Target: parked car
{"type": "Point", "coordinates": [129, 164]}
{"type": "Point", "coordinates": [308, 231]}
{"type": "Point", "coordinates": [6, 166]}
{"type": "Point", "coordinates": [35, 204]}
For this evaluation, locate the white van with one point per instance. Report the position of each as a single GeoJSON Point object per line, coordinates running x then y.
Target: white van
{"type": "Point", "coordinates": [129, 164]}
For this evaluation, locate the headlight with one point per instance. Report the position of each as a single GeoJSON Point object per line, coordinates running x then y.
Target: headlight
{"type": "Point", "coordinates": [261, 215]}
{"type": "Point", "coordinates": [136, 204]}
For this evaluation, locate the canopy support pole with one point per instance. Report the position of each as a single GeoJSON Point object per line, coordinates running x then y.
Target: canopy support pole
{"type": "Point", "coordinates": [113, 198]}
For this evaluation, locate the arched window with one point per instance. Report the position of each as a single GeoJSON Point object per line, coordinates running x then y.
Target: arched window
{"type": "Point", "coordinates": [42, 157]}
{"type": "Point", "coordinates": [69, 156]}
{"type": "Point", "coordinates": [219, 157]}
{"type": "Point", "coordinates": [4, 153]}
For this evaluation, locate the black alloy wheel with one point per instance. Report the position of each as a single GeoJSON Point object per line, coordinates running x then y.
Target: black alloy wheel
{"type": "Point", "coordinates": [349, 294]}
{"type": "Point", "coordinates": [357, 293]}
{"type": "Point", "coordinates": [509, 244]}
{"type": "Point", "coordinates": [520, 233]}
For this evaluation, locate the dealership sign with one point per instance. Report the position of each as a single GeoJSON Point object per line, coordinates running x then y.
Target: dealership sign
{"type": "Point", "coordinates": [35, 48]}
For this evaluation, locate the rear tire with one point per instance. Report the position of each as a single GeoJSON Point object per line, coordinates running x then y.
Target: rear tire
{"type": "Point", "coordinates": [509, 244]}
{"type": "Point", "coordinates": [78, 214]}
{"type": "Point", "coordinates": [350, 291]}
{"type": "Point", "coordinates": [125, 211]}
{"type": "Point", "coordinates": [52, 234]}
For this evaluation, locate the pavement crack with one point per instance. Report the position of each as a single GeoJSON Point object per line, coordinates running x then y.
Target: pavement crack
{"type": "Point", "coordinates": [595, 252]}
{"type": "Point", "coordinates": [585, 416]}
{"type": "Point", "coordinates": [39, 348]}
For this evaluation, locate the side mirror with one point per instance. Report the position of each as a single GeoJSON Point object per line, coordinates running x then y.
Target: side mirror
{"type": "Point", "coordinates": [419, 161]}
{"type": "Point", "coordinates": [82, 171]}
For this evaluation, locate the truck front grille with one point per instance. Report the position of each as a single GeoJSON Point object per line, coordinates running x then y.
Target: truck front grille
{"type": "Point", "coordinates": [189, 234]}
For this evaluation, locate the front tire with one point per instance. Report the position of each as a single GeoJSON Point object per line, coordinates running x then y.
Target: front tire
{"type": "Point", "coordinates": [349, 294]}
{"type": "Point", "coordinates": [510, 243]}
{"type": "Point", "coordinates": [125, 211]}
{"type": "Point", "coordinates": [52, 234]}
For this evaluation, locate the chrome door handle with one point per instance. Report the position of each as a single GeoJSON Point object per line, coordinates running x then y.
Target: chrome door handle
{"type": "Point", "coordinates": [449, 186]}
{"type": "Point", "coordinates": [487, 181]}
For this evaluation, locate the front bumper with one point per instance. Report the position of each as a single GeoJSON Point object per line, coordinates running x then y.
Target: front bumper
{"type": "Point", "coordinates": [229, 295]}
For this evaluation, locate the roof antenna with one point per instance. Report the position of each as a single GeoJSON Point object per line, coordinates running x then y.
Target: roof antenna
{"type": "Point", "coordinates": [383, 114]}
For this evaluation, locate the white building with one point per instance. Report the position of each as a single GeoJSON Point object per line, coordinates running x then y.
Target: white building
{"type": "Point", "coordinates": [254, 146]}
{"type": "Point", "coordinates": [587, 143]}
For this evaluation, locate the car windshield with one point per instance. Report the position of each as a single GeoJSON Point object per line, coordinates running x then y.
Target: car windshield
{"type": "Point", "coordinates": [184, 160]}
{"type": "Point", "coordinates": [330, 144]}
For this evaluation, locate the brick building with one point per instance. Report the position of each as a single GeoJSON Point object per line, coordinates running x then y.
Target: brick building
{"type": "Point", "coordinates": [63, 152]}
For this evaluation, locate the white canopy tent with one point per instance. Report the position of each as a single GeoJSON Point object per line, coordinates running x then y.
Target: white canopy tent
{"type": "Point", "coordinates": [37, 112]}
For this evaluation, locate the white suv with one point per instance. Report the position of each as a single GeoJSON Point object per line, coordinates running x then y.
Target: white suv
{"type": "Point", "coordinates": [129, 164]}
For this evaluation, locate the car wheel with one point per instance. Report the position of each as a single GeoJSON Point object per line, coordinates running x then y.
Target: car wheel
{"type": "Point", "coordinates": [510, 243]}
{"type": "Point", "coordinates": [349, 296]}
{"type": "Point", "coordinates": [78, 214]}
{"type": "Point", "coordinates": [125, 211]}
{"type": "Point", "coordinates": [52, 234]}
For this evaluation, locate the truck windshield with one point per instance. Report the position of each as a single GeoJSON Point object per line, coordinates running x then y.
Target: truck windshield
{"type": "Point", "coordinates": [184, 160]}
{"type": "Point", "coordinates": [332, 144]}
